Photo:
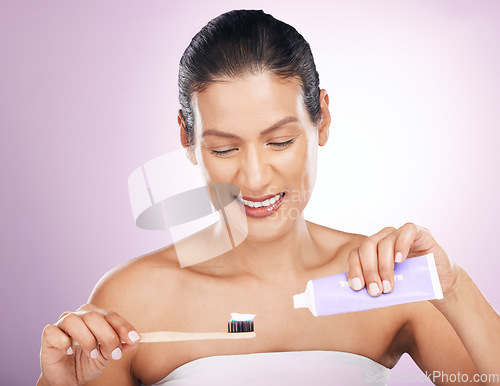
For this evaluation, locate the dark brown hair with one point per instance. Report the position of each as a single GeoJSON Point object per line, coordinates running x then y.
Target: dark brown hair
{"type": "Point", "coordinates": [243, 42]}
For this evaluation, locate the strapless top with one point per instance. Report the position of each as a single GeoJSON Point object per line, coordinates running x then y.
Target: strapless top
{"type": "Point", "coordinates": [291, 368]}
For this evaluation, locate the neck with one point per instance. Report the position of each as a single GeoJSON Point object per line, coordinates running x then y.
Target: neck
{"type": "Point", "coordinates": [283, 257]}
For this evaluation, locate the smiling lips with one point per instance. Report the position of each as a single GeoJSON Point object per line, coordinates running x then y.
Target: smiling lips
{"type": "Point", "coordinates": [262, 207]}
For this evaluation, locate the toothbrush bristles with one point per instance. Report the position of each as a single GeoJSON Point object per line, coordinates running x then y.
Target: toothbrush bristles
{"type": "Point", "coordinates": [246, 326]}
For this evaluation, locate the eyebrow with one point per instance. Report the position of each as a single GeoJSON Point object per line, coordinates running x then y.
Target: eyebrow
{"type": "Point", "coordinates": [274, 126]}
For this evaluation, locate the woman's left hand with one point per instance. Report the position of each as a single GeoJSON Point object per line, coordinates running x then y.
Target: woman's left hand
{"type": "Point", "coordinates": [372, 262]}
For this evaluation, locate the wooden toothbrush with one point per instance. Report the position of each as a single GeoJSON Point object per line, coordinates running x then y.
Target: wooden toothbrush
{"type": "Point", "coordinates": [235, 330]}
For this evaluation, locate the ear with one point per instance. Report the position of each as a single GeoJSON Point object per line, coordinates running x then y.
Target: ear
{"type": "Point", "coordinates": [184, 139]}
{"type": "Point", "coordinates": [326, 119]}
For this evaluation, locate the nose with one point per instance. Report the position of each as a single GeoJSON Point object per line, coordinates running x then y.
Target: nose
{"type": "Point", "coordinates": [255, 172]}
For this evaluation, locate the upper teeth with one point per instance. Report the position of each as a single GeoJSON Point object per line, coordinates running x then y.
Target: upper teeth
{"type": "Point", "coordinates": [258, 204]}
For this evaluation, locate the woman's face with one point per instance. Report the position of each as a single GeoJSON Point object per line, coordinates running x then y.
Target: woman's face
{"type": "Point", "coordinates": [256, 133]}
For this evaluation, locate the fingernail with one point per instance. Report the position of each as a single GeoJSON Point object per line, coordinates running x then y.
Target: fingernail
{"type": "Point", "coordinates": [373, 289]}
{"type": "Point", "coordinates": [69, 351]}
{"type": "Point", "coordinates": [94, 353]}
{"type": "Point", "coordinates": [133, 336]}
{"type": "Point", "coordinates": [387, 286]}
{"type": "Point", "coordinates": [116, 353]}
{"type": "Point", "coordinates": [356, 284]}
{"type": "Point", "coordinates": [399, 257]}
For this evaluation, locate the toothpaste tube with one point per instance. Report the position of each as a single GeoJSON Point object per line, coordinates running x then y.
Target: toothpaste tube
{"type": "Point", "coordinates": [415, 279]}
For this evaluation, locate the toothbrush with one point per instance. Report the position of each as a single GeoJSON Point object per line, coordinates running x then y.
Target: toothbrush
{"type": "Point", "coordinates": [237, 328]}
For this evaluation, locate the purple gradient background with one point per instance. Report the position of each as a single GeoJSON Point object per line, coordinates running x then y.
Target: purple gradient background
{"type": "Point", "coordinates": [88, 93]}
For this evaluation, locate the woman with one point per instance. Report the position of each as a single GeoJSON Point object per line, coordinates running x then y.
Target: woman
{"type": "Point", "coordinates": [253, 116]}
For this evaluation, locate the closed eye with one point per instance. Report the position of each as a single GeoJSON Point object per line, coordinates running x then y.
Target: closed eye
{"type": "Point", "coordinates": [222, 153]}
{"type": "Point", "coordinates": [276, 145]}
{"type": "Point", "coordinates": [281, 145]}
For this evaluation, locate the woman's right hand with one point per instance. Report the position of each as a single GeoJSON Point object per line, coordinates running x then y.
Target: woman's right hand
{"type": "Point", "coordinates": [99, 334]}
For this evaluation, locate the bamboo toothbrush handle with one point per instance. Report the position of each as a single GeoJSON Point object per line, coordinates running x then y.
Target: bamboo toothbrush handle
{"type": "Point", "coordinates": [174, 336]}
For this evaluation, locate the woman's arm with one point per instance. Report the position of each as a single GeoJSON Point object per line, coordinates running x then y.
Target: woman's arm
{"type": "Point", "coordinates": [98, 333]}
{"type": "Point", "coordinates": [461, 333]}
{"type": "Point", "coordinates": [100, 359]}
{"type": "Point", "coordinates": [475, 322]}
{"type": "Point", "coordinates": [121, 290]}
{"type": "Point", "coordinates": [437, 349]}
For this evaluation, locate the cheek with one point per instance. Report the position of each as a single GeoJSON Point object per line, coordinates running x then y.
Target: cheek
{"type": "Point", "coordinates": [299, 163]}
{"type": "Point", "coordinates": [217, 170]}
{"type": "Point", "coordinates": [299, 171]}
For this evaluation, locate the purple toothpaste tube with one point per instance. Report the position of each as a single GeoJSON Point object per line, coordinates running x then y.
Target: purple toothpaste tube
{"type": "Point", "coordinates": [415, 279]}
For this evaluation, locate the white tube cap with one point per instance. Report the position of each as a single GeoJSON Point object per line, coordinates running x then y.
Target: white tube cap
{"type": "Point", "coordinates": [300, 301]}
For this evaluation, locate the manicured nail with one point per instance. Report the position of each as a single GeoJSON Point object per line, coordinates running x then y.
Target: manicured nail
{"type": "Point", "coordinates": [94, 353]}
{"type": "Point", "coordinates": [133, 336]}
{"type": "Point", "coordinates": [387, 286]}
{"type": "Point", "coordinates": [356, 284]}
{"type": "Point", "coordinates": [116, 353]}
{"type": "Point", "coordinates": [69, 351]}
{"type": "Point", "coordinates": [373, 289]}
{"type": "Point", "coordinates": [399, 257]}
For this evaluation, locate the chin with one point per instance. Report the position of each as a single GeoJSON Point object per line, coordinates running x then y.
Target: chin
{"type": "Point", "coordinates": [264, 232]}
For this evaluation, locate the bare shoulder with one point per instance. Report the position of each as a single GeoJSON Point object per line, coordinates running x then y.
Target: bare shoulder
{"type": "Point", "coordinates": [136, 290]}
{"type": "Point", "coordinates": [339, 242]}
{"type": "Point", "coordinates": [132, 289]}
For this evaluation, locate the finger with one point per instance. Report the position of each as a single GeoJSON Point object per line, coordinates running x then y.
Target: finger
{"type": "Point", "coordinates": [74, 326]}
{"type": "Point", "coordinates": [109, 344]}
{"type": "Point", "coordinates": [53, 338]}
{"type": "Point", "coordinates": [111, 329]}
{"type": "Point", "coordinates": [123, 328]}
{"type": "Point", "coordinates": [369, 265]}
{"type": "Point", "coordinates": [354, 269]}
{"type": "Point", "coordinates": [64, 314]}
{"type": "Point", "coordinates": [368, 253]}
{"type": "Point", "coordinates": [354, 272]}
{"type": "Point", "coordinates": [386, 248]}
{"type": "Point", "coordinates": [407, 234]}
